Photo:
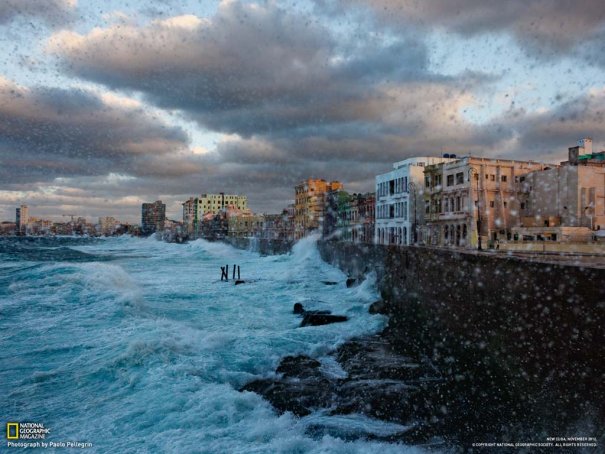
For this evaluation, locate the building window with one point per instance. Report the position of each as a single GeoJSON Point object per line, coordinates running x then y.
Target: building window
{"type": "Point", "coordinates": [447, 205]}
{"type": "Point", "coordinates": [505, 204]}
{"type": "Point", "coordinates": [491, 204]}
{"type": "Point", "coordinates": [503, 178]}
{"type": "Point", "coordinates": [450, 180]}
{"type": "Point", "coordinates": [458, 203]}
{"type": "Point", "coordinates": [493, 177]}
{"type": "Point", "coordinates": [427, 181]}
{"type": "Point", "coordinates": [460, 178]}
{"type": "Point", "coordinates": [437, 180]}
{"type": "Point", "coordinates": [522, 205]}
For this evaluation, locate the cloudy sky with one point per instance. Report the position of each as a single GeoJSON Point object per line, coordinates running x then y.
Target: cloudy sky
{"type": "Point", "coordinates": [106, 104]}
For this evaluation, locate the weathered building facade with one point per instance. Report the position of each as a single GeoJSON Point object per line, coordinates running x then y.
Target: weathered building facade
{"type": "Point", "coordinates": [310, 202]}
{"type": "Point", "coordinates": [472, 201]}
{"type": "Point", "coordinates": [566, 202]}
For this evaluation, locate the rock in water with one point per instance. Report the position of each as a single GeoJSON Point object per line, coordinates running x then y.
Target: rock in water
{"type": "Point", "coordinates": [352, 281]}
{"type": "Point", "coordinates": [329, 282]}
{"type": "Point", "coordinates": [301, 390]}
{"type": "Point", "coordinates": [378, 307]}
{"type": "Point", "coordinates": [299, 309]}
{"type": "Point", "coordinates": [314, 319]}
{"type": "Point", "coordinates": [298, 366]}
{"type": "Point", "coordinates": [239, 282]}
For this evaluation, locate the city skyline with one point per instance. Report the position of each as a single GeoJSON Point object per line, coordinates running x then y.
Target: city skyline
{"type": "Point", "coordinates": [103, 108]}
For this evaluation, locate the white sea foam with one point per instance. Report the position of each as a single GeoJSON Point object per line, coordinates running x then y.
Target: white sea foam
{"type": "Point", "coordinates": [147, 351]}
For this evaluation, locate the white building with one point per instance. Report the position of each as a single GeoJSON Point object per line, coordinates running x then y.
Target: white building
{"type": "Point", "coordinates": [399, 201]}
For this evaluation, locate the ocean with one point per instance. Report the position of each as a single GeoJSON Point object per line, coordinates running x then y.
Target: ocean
{"type": "Point", "coordinates": [135, 345]}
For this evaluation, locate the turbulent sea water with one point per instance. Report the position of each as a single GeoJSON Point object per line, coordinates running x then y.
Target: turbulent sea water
{"type": "Point", "coordinates": [135, 345]}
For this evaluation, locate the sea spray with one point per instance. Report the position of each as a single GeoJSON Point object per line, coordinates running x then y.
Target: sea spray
{"type": "Point", "coordinates": [145, 348]}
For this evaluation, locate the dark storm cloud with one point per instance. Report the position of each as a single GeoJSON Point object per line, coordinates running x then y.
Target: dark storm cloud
{"type": "Point", "coordinates": [50, 132]}
{"type": "Point", "coordinates": [285, 81]}
{"type": "Point", "coordinates": [547, 135]}
{"type": "Point", "coordinates": [249, 70]}
{"type": "Point", "coordinates": [53, 12]}
{"type": "Point", "coordinates": [545, 27]}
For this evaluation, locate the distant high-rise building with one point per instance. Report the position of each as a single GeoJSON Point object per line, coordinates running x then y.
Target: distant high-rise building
{"type": "Point", "coordinates": [22, 219]}
{"type": "Point", "coordinates": [152, 217]}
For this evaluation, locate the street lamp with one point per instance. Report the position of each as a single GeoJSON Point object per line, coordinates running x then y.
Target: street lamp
{"type": "Point", "coordinates": [473, 171]}
{"type": "Point", "coordinates": [412, 190]}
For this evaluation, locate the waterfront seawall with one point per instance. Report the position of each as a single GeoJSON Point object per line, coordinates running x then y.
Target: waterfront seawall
{"type": "Point", "coordinates": [537, 325]}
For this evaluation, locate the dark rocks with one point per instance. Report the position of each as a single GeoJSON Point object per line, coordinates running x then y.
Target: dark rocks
{"type": "Point", "coordinates": [315, 319]}
{"type": "Point", "coordinates": [298, 397]}
{"type": "Point", "coordinates": [352, 282]}
{"type": "Point", "coordinates": [239, 282]}
{"type": "Point", "coordinates": [329, 282]}
{"type": "Point", "coordinates": [380, 384]}
{"type": "Point", "coordinates": [379, 307]}
{"type": "Point", "coordinates": [298, 366]}
{"type": "Point", "coordinates": [301, 390]}
{"type": "Point", "coordinates": [299, 309]}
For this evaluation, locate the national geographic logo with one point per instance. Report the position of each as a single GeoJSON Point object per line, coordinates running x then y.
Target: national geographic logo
{"type": "Point", "coordinates": [26, 431]}
{"type": "Point", "coordinates": [33, 434]}
{"type": "Point", "coordinates": [12, 430]}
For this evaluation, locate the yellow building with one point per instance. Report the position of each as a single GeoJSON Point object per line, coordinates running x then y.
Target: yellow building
{"type": "Point", "coordinates": [309, 204]}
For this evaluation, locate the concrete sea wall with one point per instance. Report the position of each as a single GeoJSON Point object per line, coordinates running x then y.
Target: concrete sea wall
{"type": "Point", "coordinates": [539, 326]}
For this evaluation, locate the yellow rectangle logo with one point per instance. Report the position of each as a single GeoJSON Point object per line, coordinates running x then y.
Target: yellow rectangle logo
{"type": "Point", "coordinates": [12, 430]}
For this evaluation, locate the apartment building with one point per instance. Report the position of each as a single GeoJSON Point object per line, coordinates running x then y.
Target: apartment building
{"type": "Point", "coordinates": [399, 200]}
{"type": "Point", "coordinates": [310, 200]}
{"type": "Point", "coordinates": [473, 201]}
{"type": "Point", "coordinates": [21, 220]}
{"type": "Point", "coordinates": [153, 216]}
{"type": "Point", "coordinates": [565, 202]}
{"type": "Point", "coordinates": [213, 203]}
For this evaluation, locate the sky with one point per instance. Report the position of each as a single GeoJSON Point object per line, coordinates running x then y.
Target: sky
{"type": "Point", "coordinates": [108, 104]}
